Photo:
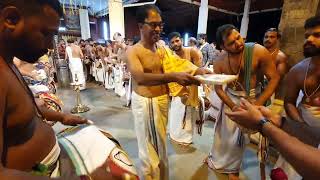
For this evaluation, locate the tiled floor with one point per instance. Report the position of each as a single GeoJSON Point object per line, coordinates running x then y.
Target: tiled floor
{"type": "Point", "coordinates": [108, 113]}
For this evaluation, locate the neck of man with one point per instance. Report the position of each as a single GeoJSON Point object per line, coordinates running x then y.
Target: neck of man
{"type": "Point", "coordinates": [316, 60]}
{"type": "Point", "coordinates": [234, 58]}
{"type": "Point", "coordinates": [272, 49]}
{"type": "Point", "coordinates": [180, 52]}
{"type": "Point", "coordinates": [6, 54]}
{"type": "Point", "coordinates": [148, 44]}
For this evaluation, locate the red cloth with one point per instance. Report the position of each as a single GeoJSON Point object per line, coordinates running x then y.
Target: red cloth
{"type": "Point", "coordinates": [278, 174]}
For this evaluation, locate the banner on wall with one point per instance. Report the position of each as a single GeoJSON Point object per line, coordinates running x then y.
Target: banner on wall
{"type": "Point", "coordinates": [72, 19]}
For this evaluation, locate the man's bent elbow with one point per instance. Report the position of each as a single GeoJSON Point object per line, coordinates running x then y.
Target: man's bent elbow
{"type": "Point", "coordinates": [141, 83]}
{"type": "Point", "coordinates": [275, 79]}
{"type": "Point", "coordinates": [140, 80]}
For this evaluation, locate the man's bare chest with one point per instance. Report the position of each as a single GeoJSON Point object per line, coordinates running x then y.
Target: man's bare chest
{"type": "Point", "coordinates": [151, 62]}
{"type": "Point", "coordinates": [237, 68]}
{"type": "Point", "coordinates": [20, 104]}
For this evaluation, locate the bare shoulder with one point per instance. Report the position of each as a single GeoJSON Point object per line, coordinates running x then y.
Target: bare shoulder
{"type": "Point", "coordinates": [221, 59]}
{"type": "Point", "coordinates": [133, 50]}
{"type": "Point", "coordinates": [282, 54]}
{"type": "Point", "coordinates": [4, 71]}
{"type": "Point", "coordinates": [259, 50]}
{"type": "Point", "coordinates": [299, 68]}
{"type": "Point", "coordinates": [282, 57]}
{"type": "Point", "coordinates": [128, 48]}
{"type": "Point", "coordinates": [219, 63]}
{"type": "Point", "coordinates": [194, 51]}
{"type": "Point", "coordinates": [261, 54]}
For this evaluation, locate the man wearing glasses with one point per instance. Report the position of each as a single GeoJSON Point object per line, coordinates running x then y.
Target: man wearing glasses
{"type": "Point", "coordinates": [156, 72]}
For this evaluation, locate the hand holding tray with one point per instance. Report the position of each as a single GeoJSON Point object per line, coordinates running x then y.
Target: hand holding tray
{"type": "Point", "coordinates": [216, 79]}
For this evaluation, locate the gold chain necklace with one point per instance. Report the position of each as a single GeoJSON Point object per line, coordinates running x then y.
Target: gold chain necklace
{"type": "Point", "coordinates": [304, 85]}
{"type": "Point", "coordinates": [274, 51]}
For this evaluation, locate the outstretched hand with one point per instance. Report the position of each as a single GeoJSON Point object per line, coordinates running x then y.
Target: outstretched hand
{"type": "Point", "coordinates": [72, 120]}
{"type": "Point", "coordinates": [202, 71]}
{"type": "Point", "coordinates": [247, 115]}
{"type": "Point", "coordinates": [274, 118]}
{"type": "Point", "coordinates": [184, 79]}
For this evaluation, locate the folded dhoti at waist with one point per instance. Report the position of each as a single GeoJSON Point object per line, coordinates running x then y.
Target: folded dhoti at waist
{"type": "Point", "coordinates": [49, 166]}
{"type": "Point", "coordinates": [310, 114]}
{"type": "Point", "coordinates": [88, 148]}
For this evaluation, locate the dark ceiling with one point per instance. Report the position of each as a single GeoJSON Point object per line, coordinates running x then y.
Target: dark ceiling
{"type": "Point", "coordinates": [238, 5]}
{"type": "Point", "coordinates": [181, 14]}
{"type": "Point", "coordinates": [173, 9]}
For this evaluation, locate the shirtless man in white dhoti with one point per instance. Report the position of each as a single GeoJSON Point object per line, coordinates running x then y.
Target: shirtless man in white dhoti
{"type": "Point", "coordinates": [182, 117]}
{"type": "Point", "coordinates": [245, 61]}
{"type": "Point", "coordinates": [75, 56]}
{"type": "Point", "coordinates": [154, 70]}
{"type": "Point", "coordinates": [110, 62]}
{"type": "Point", "coordinates": [271, 41]}
{"type": "Point", "coordinates": [121, 47]}
{"type": "Point", "coordinates": [305, 77]}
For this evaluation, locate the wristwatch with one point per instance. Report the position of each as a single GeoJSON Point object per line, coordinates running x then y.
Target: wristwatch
{"type": "Point", "coordinates": [262, 122]}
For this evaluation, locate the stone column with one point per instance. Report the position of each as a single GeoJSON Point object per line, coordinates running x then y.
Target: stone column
{"type": "Point", "coordinates": [294, 14]}
{"type": "Point", "coordinates": [116, 17]}
{"type": "Point", "coordinates": [84, 24]}
{"type": "Point", "coordinates": [203, 17]}
{"type": "Point", "coordinates": [245, 19]}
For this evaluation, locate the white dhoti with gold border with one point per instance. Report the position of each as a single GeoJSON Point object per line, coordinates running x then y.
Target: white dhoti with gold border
{"type": "Point", "coordinates": [150, 119]}
{"type": "Point", "coordinates": [229, 141]}
{"type": "Point", "coordinates": [182, 120]}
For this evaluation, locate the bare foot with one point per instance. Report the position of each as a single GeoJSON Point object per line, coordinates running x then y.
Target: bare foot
{"type": "Point", "coordinates": [233, 176]}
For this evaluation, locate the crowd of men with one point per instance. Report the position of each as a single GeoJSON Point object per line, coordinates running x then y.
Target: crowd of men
{"type": "Point", "coordinates": [162, 88]}
{"type": "Point", "coordinates": [100, 63]}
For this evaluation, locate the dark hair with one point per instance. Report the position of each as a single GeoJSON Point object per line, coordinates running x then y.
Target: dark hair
{"type": "Point", "coordinates": [143, 12]}
{"type": "Point", "coordinates": [81, 40]}
{"type": "Point", "coordinates": [117, 34]}
{"type": "Point", "coordinates": [202, 36]}
{"type": "Point", "coordinates": [193, 39]}
{"type": "Point", "coordinates": [223, 32]}
{"type": "Point", "coordinates": [109, 41]}
{"type": "Point", "coordinates": [32, 6]}
{"type": "Point", "coordinates": [71, 40]}
{"type": "Point", "coordinates": [312, 22]}
{"type": "Point", "coordinates": [173, 35]}
{"type": "Point", "coordinates": [274, 30]}
{"type": "Point", "coordinates": [136, 39]}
